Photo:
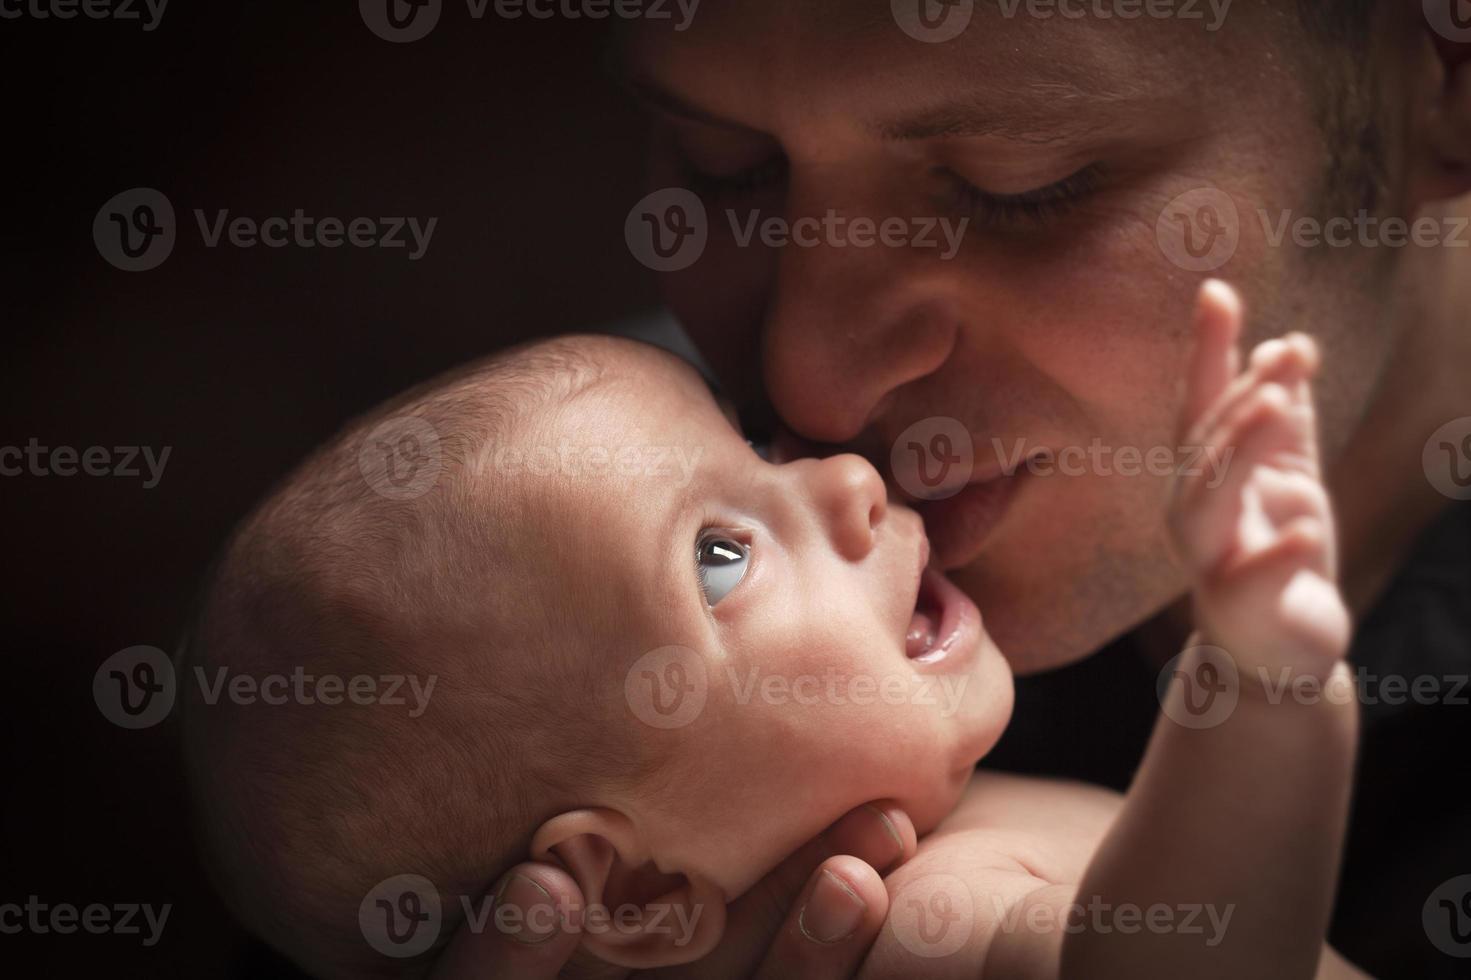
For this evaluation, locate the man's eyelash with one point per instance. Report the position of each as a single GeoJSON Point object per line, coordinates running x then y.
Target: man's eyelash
{"type": "Point", "coordinates": [1036, 206]}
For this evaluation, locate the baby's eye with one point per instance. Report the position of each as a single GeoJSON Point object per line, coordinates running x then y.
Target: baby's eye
{"type": "Point", "coordinates": [721, 562]}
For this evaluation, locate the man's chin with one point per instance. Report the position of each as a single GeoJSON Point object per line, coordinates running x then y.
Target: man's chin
{"type": "Point", "coordinates": [1040, 628]}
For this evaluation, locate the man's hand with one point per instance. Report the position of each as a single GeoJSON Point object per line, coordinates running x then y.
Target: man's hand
{"type": "Point", "coordinates": [814, 916]}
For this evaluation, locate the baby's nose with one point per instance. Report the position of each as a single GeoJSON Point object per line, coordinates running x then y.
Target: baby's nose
{"type": "Point", "coordinates": [853, 501]}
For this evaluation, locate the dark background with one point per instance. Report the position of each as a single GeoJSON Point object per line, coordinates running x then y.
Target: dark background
{"type": "Point", "coordinates": [510, 132]}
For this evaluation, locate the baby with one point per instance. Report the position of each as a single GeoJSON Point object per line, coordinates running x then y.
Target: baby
{"type": "Point", "coordinates": [665, 663]}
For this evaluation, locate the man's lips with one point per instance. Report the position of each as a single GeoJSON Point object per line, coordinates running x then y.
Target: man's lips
{"type": "Point", "coordinates": [958, 526]}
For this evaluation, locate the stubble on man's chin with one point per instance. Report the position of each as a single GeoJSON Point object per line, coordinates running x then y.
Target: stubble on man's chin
{"type": "Point", "coordinates": [1047, 615]}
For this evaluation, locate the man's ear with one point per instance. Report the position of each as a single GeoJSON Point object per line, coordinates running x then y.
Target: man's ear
{"type": "Point", "coordinates": [1441, 117]}
{"type": "Point", "coordinates": [636, 915]}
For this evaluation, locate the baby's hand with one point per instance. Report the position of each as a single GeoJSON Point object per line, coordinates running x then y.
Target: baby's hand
{"type": "Point", "coordinates": [1261, 544]}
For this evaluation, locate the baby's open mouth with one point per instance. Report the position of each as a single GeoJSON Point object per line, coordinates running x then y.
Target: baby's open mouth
{"type": "Point", "coordinates": [924, 624]}
{"type": "Point", "coordinates": [945, 625]}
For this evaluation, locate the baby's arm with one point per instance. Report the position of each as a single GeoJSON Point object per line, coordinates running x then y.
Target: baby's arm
{"type": "Point", "coordinates": [1245, 808]}
{"type": "Point", "coordinates": [1237, 811]}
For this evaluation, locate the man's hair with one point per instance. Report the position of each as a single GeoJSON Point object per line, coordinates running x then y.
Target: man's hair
{"type": "Point", "coordinates": [1338, 62]}
{"type": "Point", "coordinates": [302, 809]}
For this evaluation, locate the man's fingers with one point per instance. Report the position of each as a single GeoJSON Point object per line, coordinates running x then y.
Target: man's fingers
{"type": "Point", "coordinates": [526, 932]}
{"type": "Point", "coordinates": [834, 922]}
{"type": "Point", "coordinates": [879, 835]}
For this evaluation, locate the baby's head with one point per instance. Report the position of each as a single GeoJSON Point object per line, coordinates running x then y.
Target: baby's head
{"type": "Point", "coordinates": [657, 659]}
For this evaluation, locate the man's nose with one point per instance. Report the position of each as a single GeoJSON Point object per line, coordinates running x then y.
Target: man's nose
{"type": "Point", "coordinates": [848, 326]}
{"type": "Point", "coordinates": [850, 499]}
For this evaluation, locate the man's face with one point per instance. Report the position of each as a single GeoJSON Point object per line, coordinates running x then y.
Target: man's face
{"type": "Point", "coordinates": [1053, 333]}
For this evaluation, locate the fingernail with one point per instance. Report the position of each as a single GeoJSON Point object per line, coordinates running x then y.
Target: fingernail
{"type": "Point", "coordinates": [832, 912]}
{"type": "Point", "coordinates": [891, 831]}
{"type": "Point", "coordinates": [524, 911]}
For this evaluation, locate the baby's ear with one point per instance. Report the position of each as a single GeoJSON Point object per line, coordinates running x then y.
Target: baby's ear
{"type": "Point", "coordinates": [635, 916]}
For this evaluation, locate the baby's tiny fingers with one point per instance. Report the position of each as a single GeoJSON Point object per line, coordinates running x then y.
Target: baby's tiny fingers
{"type": "Point", "coordinates": [1215, 360]}
{"type": "Point", "coordinates": [1284, 360]}
{"type": "Point", "coordinates": [1209, 501]}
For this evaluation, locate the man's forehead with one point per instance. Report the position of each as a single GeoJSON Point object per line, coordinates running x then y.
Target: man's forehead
{"type": "Point", "coordinates": [1015, 77]}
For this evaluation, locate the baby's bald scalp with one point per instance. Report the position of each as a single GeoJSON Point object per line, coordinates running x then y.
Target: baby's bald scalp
{"type": "Point", "coordinates": [302, 808]}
